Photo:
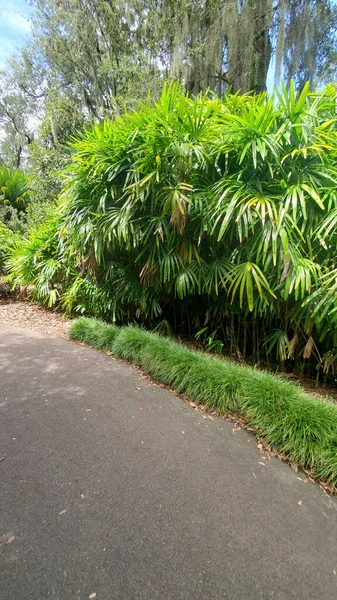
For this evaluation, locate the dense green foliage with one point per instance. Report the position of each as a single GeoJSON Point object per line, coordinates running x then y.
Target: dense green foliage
{"type": "Point", "coordinates": [7, 239]}
{"type": "Point", "coordinates": [202, 217]}
{"type": "Point", "coordinates": [301, 428]}
{"type": "Point", "coordinates": [13, 188]}
{"type": "Point", "coordinates": [14, 198]}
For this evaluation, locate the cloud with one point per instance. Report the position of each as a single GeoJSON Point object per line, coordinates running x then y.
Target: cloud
{"type": "Point", "coordinates": [16, 22]}
{"type": "Point", "coordinates": [14, 27]}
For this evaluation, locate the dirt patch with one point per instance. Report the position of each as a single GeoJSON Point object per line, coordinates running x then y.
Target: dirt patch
{"type": "Point", "coordinates": [37, 318]}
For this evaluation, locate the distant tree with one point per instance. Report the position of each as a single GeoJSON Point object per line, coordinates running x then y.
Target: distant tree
{"type": "Point", "coordinates": [22, 90]}
{"type": "Point", "coordinates": [221, 44]}
{"type": "Point", "coordinates": [101, 53]}
{"type": "Point", "coordinates": [310, 42]}
{"type": "Point", "coordinates": [48, 154]}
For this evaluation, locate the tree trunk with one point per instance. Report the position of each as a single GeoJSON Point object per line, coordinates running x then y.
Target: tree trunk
{"type": "Point", "coordinates": [253, 53]}
{"type": "Point", "coordinates": [262, 46]}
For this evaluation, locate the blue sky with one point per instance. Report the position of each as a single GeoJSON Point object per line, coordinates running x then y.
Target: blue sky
{"type": "Point", "coordinates": [14, 26]}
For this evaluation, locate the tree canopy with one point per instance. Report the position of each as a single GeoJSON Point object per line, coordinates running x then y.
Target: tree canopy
{"type": "Point", "coordinates": [100, 55]}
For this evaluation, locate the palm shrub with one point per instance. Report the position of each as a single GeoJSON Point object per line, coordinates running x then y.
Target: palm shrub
{"type": "Point", "coordinates": [13, 188]}
{"type": "Point", "coordinates": [14, 198]}
{"type": "Point", "coordinates": [215, 217]}
{"type": "Point", "coordinates": [7, 240]}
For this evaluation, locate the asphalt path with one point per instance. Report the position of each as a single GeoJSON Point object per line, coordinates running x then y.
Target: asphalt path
{"type": "Point", "coordinates": [116, 489]}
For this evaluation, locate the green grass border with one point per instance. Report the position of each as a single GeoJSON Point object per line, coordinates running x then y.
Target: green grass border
{"type": "Point", "coordinates": [299, 427]}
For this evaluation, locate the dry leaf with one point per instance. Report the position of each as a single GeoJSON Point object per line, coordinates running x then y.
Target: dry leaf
{"type": "Point", "coordinates": [300, 503]}
{"type": "Point", "coordinates": [93, 595]}
{"type": "Point", "coordinates": [261, 463]}
{"type": "Point", "coordinates": [10, 540]}
{"type": "Point", "coordinates": [294, 467]}
{"type": "Point", "coordinates": [254, 475]}
{"type": "Point", "coordinates": [308, 348]}
{"type": "Point", "coordinates": [260, 446]}
{"type": "Point", "coordinates": [334, 572]}
{"type": "Point", "coordinates": [62, 512]}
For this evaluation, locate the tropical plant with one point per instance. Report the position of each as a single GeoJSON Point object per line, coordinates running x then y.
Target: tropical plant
{"type": "Point", "coordinates": [13, 189]}
{"type": "Point", "coordinates": [7, 239]}
{"type": "Point", "coordinates": [201, 212]}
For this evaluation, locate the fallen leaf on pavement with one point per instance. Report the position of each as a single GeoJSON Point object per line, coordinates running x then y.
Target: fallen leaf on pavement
{"type": "Point", "coordinates": [10, 540]}
{"type": "Point", "coordinates": [93, 595]}
{"type": "Point", "coordinates": [300, 502]}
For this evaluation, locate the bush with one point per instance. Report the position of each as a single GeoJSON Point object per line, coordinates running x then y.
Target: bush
{"type": "Point", "coordinates": [216, 217]}
{"type": "Point", "coordinates": [7, 240]}
{"type": "Point", "coordinates": [301, 428]}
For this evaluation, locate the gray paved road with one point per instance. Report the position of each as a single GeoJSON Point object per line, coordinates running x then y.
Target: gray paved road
{"type": "Point", "coordinates": [116, 487]}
